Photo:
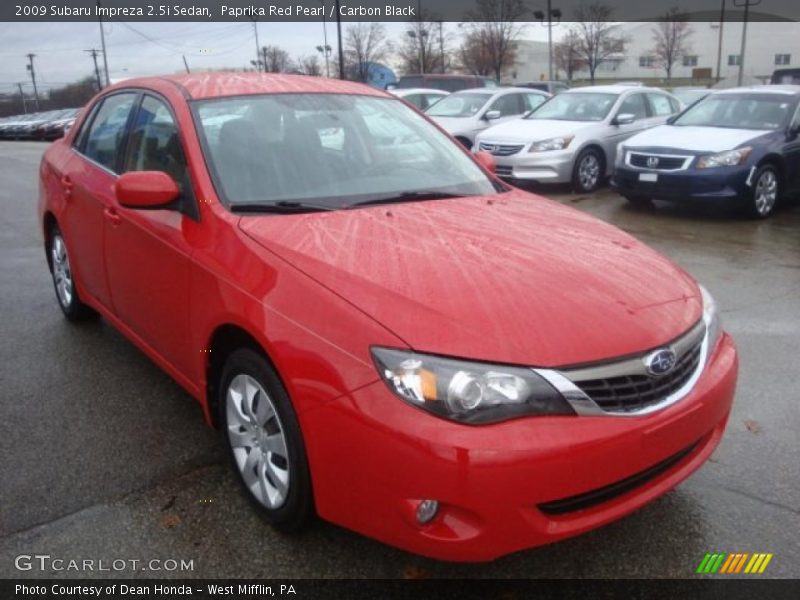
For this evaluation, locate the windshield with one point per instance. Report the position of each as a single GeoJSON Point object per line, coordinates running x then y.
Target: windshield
{"type": "Point", "coordinates": [751, 111]}
{"type": "Point", "coordinates": [576, 106]}
{"type": "Point", "coordinates": [689, 96]}
{"type": "Point", "coordinates": [459, 105]}
{"type": "Point", "coordinates": [329, 150]}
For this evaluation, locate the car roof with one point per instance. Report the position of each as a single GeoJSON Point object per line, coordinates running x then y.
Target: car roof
{"type": "Point", "coordinates": [407, 91]}
{"type": "Point", "coordinates": [199, 86]}
{"type": "Point", "coordinates": [613, 89]}
{"type": "Point", "coordinates": [499, 91]}
{"type": "Point", "coordinates": [789, 90]}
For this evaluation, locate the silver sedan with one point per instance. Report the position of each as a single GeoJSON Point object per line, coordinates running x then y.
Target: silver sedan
{"type": "Point", "coordinates": [573, 137]}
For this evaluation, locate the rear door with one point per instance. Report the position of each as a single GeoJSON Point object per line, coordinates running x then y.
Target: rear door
{"type": "Point", "coordinates": [89, 179]}
{"type": "Point", "coordinates": [147, 252]}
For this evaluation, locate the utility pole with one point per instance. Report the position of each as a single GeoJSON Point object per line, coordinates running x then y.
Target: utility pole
{"type": "Point", "coordinates": [325, 40]}
{"type": "Point", "coordinates": [339, 36]}
{"type": "Point", "coordinates": [747, 4]}
{"type": "Point", "coordinates": [22, 95]}
{"type": "Point", "coordinates": [33, 79]}
{"type": "Point", "coordinates": [441, 44]}
{"type": "Point", "coordinates": [103, 45]}
{"type": "Point", "coordinates": [264, 55]}
{"type": "Point", "coordinates": [258, 46]}
{"type": "Point", "coordinates": [186, 64]}
{"type": "Point", "coordinates": [719, 43]}
{"type": "Point", "coordinates": [93, 52]}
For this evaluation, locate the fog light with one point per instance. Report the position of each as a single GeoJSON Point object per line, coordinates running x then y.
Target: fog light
{"type": "Point", "coordinates": [426, 511]}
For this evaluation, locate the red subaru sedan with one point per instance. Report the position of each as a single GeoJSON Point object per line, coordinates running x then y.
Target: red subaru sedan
{"type": "Point", "coordinates": [386, 334]}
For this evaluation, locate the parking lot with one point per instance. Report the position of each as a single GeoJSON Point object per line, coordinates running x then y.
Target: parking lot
{"type": "Point", "coordinates": [103, 456]}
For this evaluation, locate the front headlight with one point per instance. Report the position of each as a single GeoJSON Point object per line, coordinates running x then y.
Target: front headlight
{"type": "Point", "coordinates": [731, 158]}
{"type": "Point", "coordinates": [466, 391]}
{"type": "Point", "coordinates": [557, 143]}
{"type": "Point", "coordinates": [711, 319]}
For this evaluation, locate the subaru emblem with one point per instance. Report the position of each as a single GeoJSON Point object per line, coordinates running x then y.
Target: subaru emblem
{"type": "Point", "coordinates": [652, 162]}
{"type": "Point", "coordinates": [660, 362]}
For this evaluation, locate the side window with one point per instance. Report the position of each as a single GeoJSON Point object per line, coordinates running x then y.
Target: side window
{"type": "Point", "coordinates": [660, 105]}
{"type": "Point", "coordinates": [417, 100]}
{"type": "Point", "coordinates": [432, 99]}
{"type": "Point", "coordinates": [532, 101]}
{"type": "Point", "coordinates": [634, 105]}
{"type": "Point", "coordinates": [106, 134]}
{"type": "Point", "coordinates": [508, 105]}
{"type": "Point", "coordinates": [154, 142]}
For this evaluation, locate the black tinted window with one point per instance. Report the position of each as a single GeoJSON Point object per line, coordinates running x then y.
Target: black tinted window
{"type": "Point", "coordinates": [107, 131]}
{"type": "Point", "coordinates": [154, 142]}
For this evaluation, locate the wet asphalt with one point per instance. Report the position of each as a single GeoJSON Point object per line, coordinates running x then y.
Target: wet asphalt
{"type": "Point", "coordinates": [102, 456]}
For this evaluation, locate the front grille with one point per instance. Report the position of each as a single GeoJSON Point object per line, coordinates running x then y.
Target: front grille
{"type": "Point", "coordinates": [665, 163]}
{"type": "Point", "coordinates": [609, 492]}
{"type": "Point", "coordinates": [503, 170]}
{"type": "Point", "coordinates": [500, 149]}
{"type": "Point", "coordinates": [630, 393]}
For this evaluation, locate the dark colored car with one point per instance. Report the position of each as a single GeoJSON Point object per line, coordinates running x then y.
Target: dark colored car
{"type": "Point", "coordinates": [785, 77]}
{"type": "Point", "coordinates": [735, 146]}
{"type": "Point", "coordinates": [448, 83]}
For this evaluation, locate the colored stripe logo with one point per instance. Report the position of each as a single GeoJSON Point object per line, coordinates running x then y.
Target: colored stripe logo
{"type": "Point", "coordinates": [734, 563]}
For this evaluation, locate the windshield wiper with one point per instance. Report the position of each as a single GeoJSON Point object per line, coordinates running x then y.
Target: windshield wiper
{"type": "Point", "coordinates": [410, 196]}
{"type": "Point", "coordinates": [280, 207]}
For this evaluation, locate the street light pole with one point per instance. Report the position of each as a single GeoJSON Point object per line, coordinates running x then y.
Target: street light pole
{"type": "Point", "coordinates": [747, 4]}
{"type": "Point", "coordinates": [719, 42]}
{"type": "Point", "coordinates": [549, 41]}
{"type": "Point", "coordinates": [325, 38]}
{"type": "Point", "coordinates": [103, 45]}
{"type": "Point", "coordinates": [339, 39]}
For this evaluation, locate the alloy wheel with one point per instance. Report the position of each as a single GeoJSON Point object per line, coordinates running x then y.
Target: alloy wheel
{"type": "Point", "coordinates": [766, 192]}
{"type": "Point", "coordinates": [258, 441]}
{"type": "Point", "coordinates": [62, 274]}
{"type": "Point", "coordinates": [589, 172]}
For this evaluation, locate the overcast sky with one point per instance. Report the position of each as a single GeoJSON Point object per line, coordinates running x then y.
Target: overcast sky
{"type": "Point", "coordinates": [156, 48]}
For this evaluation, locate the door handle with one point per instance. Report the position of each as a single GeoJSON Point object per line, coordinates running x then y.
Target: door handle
{"type": "Point", "coordinates": [113, 216]}
{"type": "Point", "coordinates": [67, 184]}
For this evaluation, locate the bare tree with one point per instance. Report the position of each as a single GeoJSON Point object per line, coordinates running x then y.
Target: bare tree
{"type": "Point", "coordinates": [364, 45]}
{"type": "Point", "coordinates": [494, 27]}
{"type": "Point", "coordinates": [597, 39]}
{"type": "Point", "coordinates": [671, 37]}
{"type": "Point", "coordinates": [566, 54]}
{"type": "Point", "coordinates": [425, 47]}
{"type": "Point", "coordinates": [309, 65]}
{"type": "Point", "coordinates": [276, 59]}
{"type": "Point", "coordinates": [474, 55]}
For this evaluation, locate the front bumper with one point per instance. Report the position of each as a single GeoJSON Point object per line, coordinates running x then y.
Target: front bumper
{"type": "Point", "coordinates": [540, 167]}
{"type": "Point", "coordinates": [706, 185]}
{"type": "Point", "coordinates": [508, 486]}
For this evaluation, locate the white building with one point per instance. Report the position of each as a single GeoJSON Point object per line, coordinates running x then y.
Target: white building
{"type": "Point", "coordinates": [770, 46]}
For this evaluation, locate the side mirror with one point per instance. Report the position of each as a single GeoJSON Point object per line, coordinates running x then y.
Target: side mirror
{"type": "Point", "coordinates": [146, 189]}
{"type": "Point", "coordinates": [486, 160]}
{"type": "Point", "coordinates": [491, 115]}
{"type": "Point", "coordinates": [624, 119]}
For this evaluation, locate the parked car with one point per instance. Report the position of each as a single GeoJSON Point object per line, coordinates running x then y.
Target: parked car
{"type": "Point", "coordinates": [14, 129]}
{"type": "Point", "coordinates": [690, 95]}
{"type": "Point", "coordinates": [573, 137]}
{"type": "Point", "coordinates": [401, 343]}
{"type": "Point", "coordinates": [785, 77]}
{"type": "Point", "coordinates": [56, 127]}
{"type": "Point", "coordinates": [551, 87]}
{"type": "Point", "coordinates": [448, 83]}
{"type": "Point", "coordinates": [422, 98]}
{"type": "Point", "coordinates": [735, 146]}
{"type": "Point", "coordinates": [468, 112]}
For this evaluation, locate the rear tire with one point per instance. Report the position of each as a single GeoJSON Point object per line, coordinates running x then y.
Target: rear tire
{"type": "Point", "coordinates": [264, 442]}
{"type": "Point", "coordinates": [765, 193]}
{"type": "Point", "coordinates": [61, 270]}
{"type": "Point", "coordinates": [587, 174]}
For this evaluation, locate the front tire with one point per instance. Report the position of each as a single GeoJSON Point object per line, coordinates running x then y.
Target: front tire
{"type": "Point", "coordinates": [264, 442]}
{"type": "Point", "coordinates": [588, 171]}
{"type": "Point", "coordinates": [60, 268]}
{"type": "Point", "coordinates": [765, 194]}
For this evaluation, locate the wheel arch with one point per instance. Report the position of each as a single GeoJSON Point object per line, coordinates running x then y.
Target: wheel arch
{"type": "Point", "coordinates": [776, 160]}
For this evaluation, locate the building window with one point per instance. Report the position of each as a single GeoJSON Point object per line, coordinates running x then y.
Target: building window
{"type": "Point", "coordinates": [690, 60]}
{"type": "Point", "coordinates": [783, 59]}
{"type": "Point", "coordinates": [734, 60]}
{"type": "Point", "coordinates": [646, 61]}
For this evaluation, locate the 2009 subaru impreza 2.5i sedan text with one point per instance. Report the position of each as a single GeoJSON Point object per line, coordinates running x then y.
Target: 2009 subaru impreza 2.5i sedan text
{"type": "Point", "coordinates": [386, 334]}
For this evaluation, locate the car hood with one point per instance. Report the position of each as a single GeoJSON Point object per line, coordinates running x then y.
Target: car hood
{"type": "Point", "coordinates": [693, 139]}
{"type": "Point", "coordinates": [530, 130]}
{"type": "Point", "coordinates": [511, 278]}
